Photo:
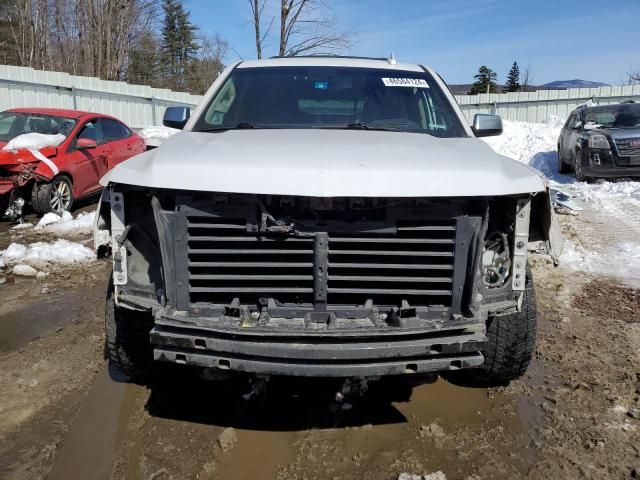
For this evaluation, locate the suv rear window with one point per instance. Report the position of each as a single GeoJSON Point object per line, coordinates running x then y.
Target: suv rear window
{"type": "Point", "coordinates": [331, 97]}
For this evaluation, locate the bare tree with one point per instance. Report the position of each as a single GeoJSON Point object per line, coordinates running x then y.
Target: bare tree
{"type": "Point", "coordinates": [306, 26]}
{"type": "Point", "coordinates": [634, 77]}
{"type": "Point", "coordinates": [85, 37]}
{"type": "Point", "coordinates": [528, 77]}
{"type": "Point", "coordinates": [28, 26]}
{"type": "Point", "coordinates": [208, 63]}
{"type": "Point", "coordinates": [257, 10]}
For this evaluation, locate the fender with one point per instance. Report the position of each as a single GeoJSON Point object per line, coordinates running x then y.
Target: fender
{"type": "Point", "coordinates": [545, 235]}
{"type": "Point", "coordinates": [47, 168]}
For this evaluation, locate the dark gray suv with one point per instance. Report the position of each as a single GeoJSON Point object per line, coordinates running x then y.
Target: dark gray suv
{"type": "Point", "coordinates": [601, 142]}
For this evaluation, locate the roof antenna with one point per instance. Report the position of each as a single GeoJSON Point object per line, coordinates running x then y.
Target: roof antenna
{"type": "Point", "coordinates": [392, 59]}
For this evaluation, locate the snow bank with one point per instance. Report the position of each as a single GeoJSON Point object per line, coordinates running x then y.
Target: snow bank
{"type": "Point", "coordinates": [33, 141]}
{"type": "Point", "coordinates": [620, 260]}
{"type": "Point", "coordinates": [41, 254]}
{"type": "Point", "coordinates": [66, 224]}
{"type": "Point", "coordinates": [536, 145]}
{"type": "Point", "coordinates": [157, 134]}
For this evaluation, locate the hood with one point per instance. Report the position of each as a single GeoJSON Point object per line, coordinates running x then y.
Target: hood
{"type": "Point", "coordinates": [620, 133]}
{"type": "Point", "coordinates": [327, 163]}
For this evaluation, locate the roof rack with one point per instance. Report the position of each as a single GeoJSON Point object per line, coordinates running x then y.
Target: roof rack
{"type": "Point", "coordinates": [329, 55]}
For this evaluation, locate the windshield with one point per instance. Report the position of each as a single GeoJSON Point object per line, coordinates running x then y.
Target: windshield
{"type": "Point", "coordinates": [13, 124]}
{"type": "Point", "coordinates": [331, 97]}
{"type": "Point", "coordinates": [615, 116]}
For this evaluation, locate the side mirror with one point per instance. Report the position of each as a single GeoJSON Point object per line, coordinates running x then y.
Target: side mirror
{"type": "Point", "coordinates": [176, 117]}
{"type": "Point", "coordinates": [85, 144]}
{"type": "Point", "coordinates": [486, 125]}
{"type": "Point", "coordinates": [577, 125]}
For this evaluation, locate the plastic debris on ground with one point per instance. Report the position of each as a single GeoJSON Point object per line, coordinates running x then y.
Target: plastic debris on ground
{"type": "Point", "coordinates": [33, 141]}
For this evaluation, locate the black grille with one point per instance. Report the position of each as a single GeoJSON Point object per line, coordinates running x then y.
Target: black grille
{"type": "Point", "coordinates": [414, 263]}
{"type": "Point", "coordinates": [227, 262]}
{"type": "Point", "coordinates": [628, 147]}
{"type": "Point", "coordinates": [411, 261]}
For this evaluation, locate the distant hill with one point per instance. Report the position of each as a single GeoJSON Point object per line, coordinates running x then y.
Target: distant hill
{"type": "Point", "coordinates": [463, 89]}
{"type": "Point", "coordinates": [561, 84]}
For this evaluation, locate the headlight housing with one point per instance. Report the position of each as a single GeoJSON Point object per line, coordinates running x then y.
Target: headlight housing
{"type": "Point", "coordinates": [599, 141]}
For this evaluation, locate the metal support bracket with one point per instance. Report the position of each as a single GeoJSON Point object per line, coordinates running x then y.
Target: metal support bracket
{"type": "Point", "coordinates": [320, 267]}
{"type": "Point", "coordinates": [521, 241]}
{"type": "Point", "coordinates": [117, 229]}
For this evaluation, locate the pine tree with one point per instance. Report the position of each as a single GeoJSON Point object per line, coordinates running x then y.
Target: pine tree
{"type": "Point", "coordinates": [144, 61]}
{"type": "Point", "coordinates": [513, 79]}
{"type": "Point", "coordinates": [485, 81]}
{"type": "Point", "coordinates": [178, 43]}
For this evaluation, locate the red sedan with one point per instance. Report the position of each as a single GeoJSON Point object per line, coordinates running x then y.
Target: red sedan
{"type": "Point", "coordinates": [84, 147]}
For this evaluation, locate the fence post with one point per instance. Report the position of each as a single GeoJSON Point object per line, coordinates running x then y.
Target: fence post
{"type": "Point", "coordinates": [153, 111]}
{"type": "Point", "coordinates": [73, 98]}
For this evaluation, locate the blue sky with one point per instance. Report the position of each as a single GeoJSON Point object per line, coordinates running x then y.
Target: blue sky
{"type": "Point", "coordinates": [561, 39]}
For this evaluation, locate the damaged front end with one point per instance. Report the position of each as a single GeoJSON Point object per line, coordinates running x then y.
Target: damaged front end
{"type": "Point", "coordinates": [312, 286]}
{"type": "Point", "coordinates": [19, 171]}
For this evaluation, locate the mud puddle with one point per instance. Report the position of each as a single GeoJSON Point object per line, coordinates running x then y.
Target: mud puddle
{"type": "Point", "coordinates": [90, 447]}
{"type": "Point", "coordinates": [47, 313]}
{"type": "Point", "coordinates": [320, 438]}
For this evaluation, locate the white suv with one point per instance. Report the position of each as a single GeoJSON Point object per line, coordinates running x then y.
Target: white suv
{"type": "Point", "coordinates": [325, 216]}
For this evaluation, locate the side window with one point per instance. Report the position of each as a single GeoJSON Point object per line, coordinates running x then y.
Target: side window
{"type": "Point", "coordinates": [113, 130]}
{"type": "Point", "coordinates": [216, 112]}
{"type": "Point", "coordinates": [91, 130]}
{"type": "Point", "coordinates": [6, 122]}
{"type": "Point", "coordinates": [571, 122]}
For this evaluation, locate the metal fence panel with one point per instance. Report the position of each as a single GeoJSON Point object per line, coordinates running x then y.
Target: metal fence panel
{"type": "Point", "coordinates": [540, 105]}
{"type": "Point", "coordinates": [140, 106]}
{"type": "Point", "coordinates": [137, 105]}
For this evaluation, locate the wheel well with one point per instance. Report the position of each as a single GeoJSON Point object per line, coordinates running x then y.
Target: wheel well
{"type": "Point", "coordinates": [64, 174]}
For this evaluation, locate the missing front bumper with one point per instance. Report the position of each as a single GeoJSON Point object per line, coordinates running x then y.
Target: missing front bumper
{"type": "Point", "coordinates": [327, 354]}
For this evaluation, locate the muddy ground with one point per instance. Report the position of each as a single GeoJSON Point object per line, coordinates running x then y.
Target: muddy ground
{"type": "Point", "coordinates": [65, 415]}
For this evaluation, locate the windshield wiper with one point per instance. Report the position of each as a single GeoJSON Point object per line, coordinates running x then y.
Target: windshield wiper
{"type": "Point", "coordinates": [364, 126]}
{"type": "Point", "coordinates": [240, 126]}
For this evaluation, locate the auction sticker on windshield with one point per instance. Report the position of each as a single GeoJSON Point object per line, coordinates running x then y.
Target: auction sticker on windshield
{"type": "Point", "coordinates": [405, 82]}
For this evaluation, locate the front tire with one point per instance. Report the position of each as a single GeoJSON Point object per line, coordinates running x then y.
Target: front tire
{"type": "Point", "coordinates": [579, 168]}
{"type": "Point", "coordinates": [55, 196]}
{"type": "Point", "coordinates": [511, 341]}
{"type": "Point", "coordinates": [127, 338]}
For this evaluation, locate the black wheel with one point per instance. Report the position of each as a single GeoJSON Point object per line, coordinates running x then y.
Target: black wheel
{"type": "Point", "coordinates": [579, 168]}
{"type": "Point", "coordinates": [510, 346]}
{"type": "Point", "coordinates": [55, 196]}
{"type": "Point", "coordinates": [562, 166]}
{"type": "Point", "coordinates": [127, 338]}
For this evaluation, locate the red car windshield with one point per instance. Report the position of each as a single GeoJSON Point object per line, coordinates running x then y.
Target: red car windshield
{"type": "Point", "coordinates": [13, 124]}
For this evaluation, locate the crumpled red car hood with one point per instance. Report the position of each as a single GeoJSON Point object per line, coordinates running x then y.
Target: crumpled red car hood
{"type": "Point", "coordinates": [8, 158]}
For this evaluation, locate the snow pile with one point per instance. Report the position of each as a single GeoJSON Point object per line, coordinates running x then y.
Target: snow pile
{"type": "Point", "coordinates": [66, 224]}
{"type": "Point", "coordinates": [157, 134]}
{"type": "Point", "coordinates": [535, 144]}
{"type": "Point", "coordinates": [532, 143]}
{"type": "Point", "coordinates": [33, 141]}
{"type": "Point", "coordinates": [620, 260]}
{"type": "Point", "coordinates": [429, 476]}
{"type": "Point", "coordinates": [41, 254]}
